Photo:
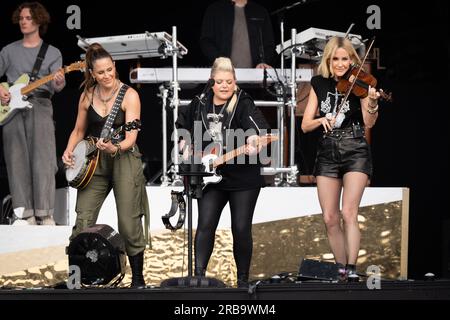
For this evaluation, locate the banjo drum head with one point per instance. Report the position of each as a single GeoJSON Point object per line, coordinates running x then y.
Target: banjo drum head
{"type": "Point", "coordinates": [80, 159]}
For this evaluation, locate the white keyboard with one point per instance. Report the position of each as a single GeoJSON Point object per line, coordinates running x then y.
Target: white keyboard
{"type": "Point", "coordinates": [201, 75]}
{"type": "Point", "coordinates": [314, 41]}
{"type": "Point", "coordinates": [134, 46]}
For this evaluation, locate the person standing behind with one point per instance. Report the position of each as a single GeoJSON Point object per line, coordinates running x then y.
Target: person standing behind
{"type": "Point", "coordinates": [29, 137]}
{"type": "Point", "coordinates": [240, 30]}
{"type": "Point", "coordinates": [119, 165]}
{"type": "Point", "coordinates": [343, 161]}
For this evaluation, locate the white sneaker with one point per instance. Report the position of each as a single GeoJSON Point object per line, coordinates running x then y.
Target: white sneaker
{"type": "Point", "coordinates": [19, 212]}
{"type": "Point", "coordinates": [20, 222]}
{"type": "Point", "coordinates": [47, 221]}
{"type": "Point", "coordinates": [30, 221]}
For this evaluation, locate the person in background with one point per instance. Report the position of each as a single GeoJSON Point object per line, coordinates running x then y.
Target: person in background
{"type": "Point", "coordinates": [29, 136]}
{"type": "Point", "coordinates": [240, 30]}
{"type": "Point", "coordinates": [343, 162]}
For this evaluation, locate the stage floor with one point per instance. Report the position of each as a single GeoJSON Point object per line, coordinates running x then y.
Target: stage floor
{"type": "Point", "coordinates": [306, 290]}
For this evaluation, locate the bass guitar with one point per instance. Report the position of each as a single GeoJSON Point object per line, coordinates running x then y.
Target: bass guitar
{"type": "Point", "coordinates": [22, 88]}
{"type": "Point", "coordinates": [212, 161]}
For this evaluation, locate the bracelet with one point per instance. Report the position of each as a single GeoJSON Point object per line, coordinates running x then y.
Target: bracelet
{"type": "Point", "coordinates": [119, 148]}
{"type": "Point", "coordinates": [372, 110]}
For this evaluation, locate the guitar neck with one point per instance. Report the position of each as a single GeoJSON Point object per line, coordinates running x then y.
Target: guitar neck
{"type": "Point", "coordinates": [93, 147]}
{"type": "Point", "coordinates": [228, 156]}
{"type": "Point", "coordinates": [238, 151]}
{"type": "Point", "coordinates": [36, 84]}
{"type": "Point", "coordinates": [115, 132]}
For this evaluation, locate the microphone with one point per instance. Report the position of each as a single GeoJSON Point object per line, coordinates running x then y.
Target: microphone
{"type": "Point", "coordinates": [208, 87]}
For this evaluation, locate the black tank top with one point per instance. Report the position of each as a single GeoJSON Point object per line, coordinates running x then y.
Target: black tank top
{"type": "Point", "coordinates": [96, 122]}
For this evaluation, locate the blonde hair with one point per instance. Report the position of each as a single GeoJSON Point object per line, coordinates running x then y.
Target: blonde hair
{"type": "Point", "coordinates": [325, 69]}
{"type": "Point", "coordinates": [225, 65]}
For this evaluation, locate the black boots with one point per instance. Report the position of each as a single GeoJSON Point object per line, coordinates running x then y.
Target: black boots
{"type": "Point", "coordinates": [199, 272]}
{"type": "Point", "coordinates": [137, 265]}
{"type": "Point", "coordinates": [242, 280]}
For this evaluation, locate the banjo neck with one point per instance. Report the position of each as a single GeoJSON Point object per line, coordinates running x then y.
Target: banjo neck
{"type": "Point", "coordinates": [136, 124]}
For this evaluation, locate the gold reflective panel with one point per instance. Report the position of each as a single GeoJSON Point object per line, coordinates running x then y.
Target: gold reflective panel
{"type": "Point", "coordinates": [278, 246]}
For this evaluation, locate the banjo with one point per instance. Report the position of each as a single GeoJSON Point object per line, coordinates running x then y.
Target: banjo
{"type": "Point", "coordinates": [86, 156]}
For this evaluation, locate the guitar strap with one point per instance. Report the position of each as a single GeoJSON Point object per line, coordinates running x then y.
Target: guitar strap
{"type": "Point", "coordinates": [107, 127]}
{"type": "Point", "coordinates": [37, 64]}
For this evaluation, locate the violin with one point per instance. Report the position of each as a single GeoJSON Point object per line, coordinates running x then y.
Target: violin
{"type": "Point", "coordinates": [358, 81]}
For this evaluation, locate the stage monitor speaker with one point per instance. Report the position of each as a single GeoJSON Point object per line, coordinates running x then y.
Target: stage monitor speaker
{"type": "Point", "coordinates": [317, 270]}
{"type": "Point", "coordinates": [99, 252]}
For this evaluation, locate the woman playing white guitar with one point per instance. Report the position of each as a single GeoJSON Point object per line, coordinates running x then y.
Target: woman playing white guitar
{"type": "Point", "coordinates": [228, 118]}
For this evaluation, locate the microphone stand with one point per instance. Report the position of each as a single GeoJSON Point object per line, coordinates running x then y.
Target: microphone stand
{"type": "Point", "coordinates": [173, 51]}
{"type": "Point", "coordinates": [292, 103]}
{"type": "Point", "coordinates": [292, 176]}
{"type": "Point", "coordinates": [193, 180]}
{"type": "Point", "coordinates": [164, 94]}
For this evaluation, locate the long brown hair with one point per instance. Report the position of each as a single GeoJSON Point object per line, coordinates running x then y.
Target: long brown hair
{"type": "Point", "coordinates": [38, 13]}
{"type": "Point", "coordinates": [94, 52]}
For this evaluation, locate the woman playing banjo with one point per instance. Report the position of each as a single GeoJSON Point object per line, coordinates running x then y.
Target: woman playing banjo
{"type": "Point", "coordinates": [119, 164]}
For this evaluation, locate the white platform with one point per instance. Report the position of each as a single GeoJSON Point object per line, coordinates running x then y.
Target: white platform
{"type": "Point", "coordinates": [273, 204]}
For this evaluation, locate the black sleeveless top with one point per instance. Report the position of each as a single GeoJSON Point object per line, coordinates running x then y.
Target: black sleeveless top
{"type": "Point", "coordinates": [96, 122]}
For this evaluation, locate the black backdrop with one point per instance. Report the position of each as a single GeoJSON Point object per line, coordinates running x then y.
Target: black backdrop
{"type": "Point", "coordinates": [410, 142]}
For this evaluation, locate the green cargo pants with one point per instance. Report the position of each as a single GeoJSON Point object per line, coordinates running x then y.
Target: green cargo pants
{"type": "Point", "coordinates": [124, 174]}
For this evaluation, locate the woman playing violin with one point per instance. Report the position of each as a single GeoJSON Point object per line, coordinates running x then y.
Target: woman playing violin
{"type": "Point", "coordinates": [343, 162]}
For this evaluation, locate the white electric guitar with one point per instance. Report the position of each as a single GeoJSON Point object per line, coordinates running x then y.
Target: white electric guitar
{"type": "Point", "coordinates": [22, 88]}
{"type": "Point", "coordinates": [212, 161]}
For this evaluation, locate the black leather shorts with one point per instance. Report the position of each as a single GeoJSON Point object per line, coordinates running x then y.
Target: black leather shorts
{"type": "Point", "coordinates": [340, 152]}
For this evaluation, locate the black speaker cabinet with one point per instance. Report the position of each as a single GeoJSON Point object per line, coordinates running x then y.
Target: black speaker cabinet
{"type": "Point", "coordinates": [317, 270]}
{"type": "Point", "coordinates": [99, 252]}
